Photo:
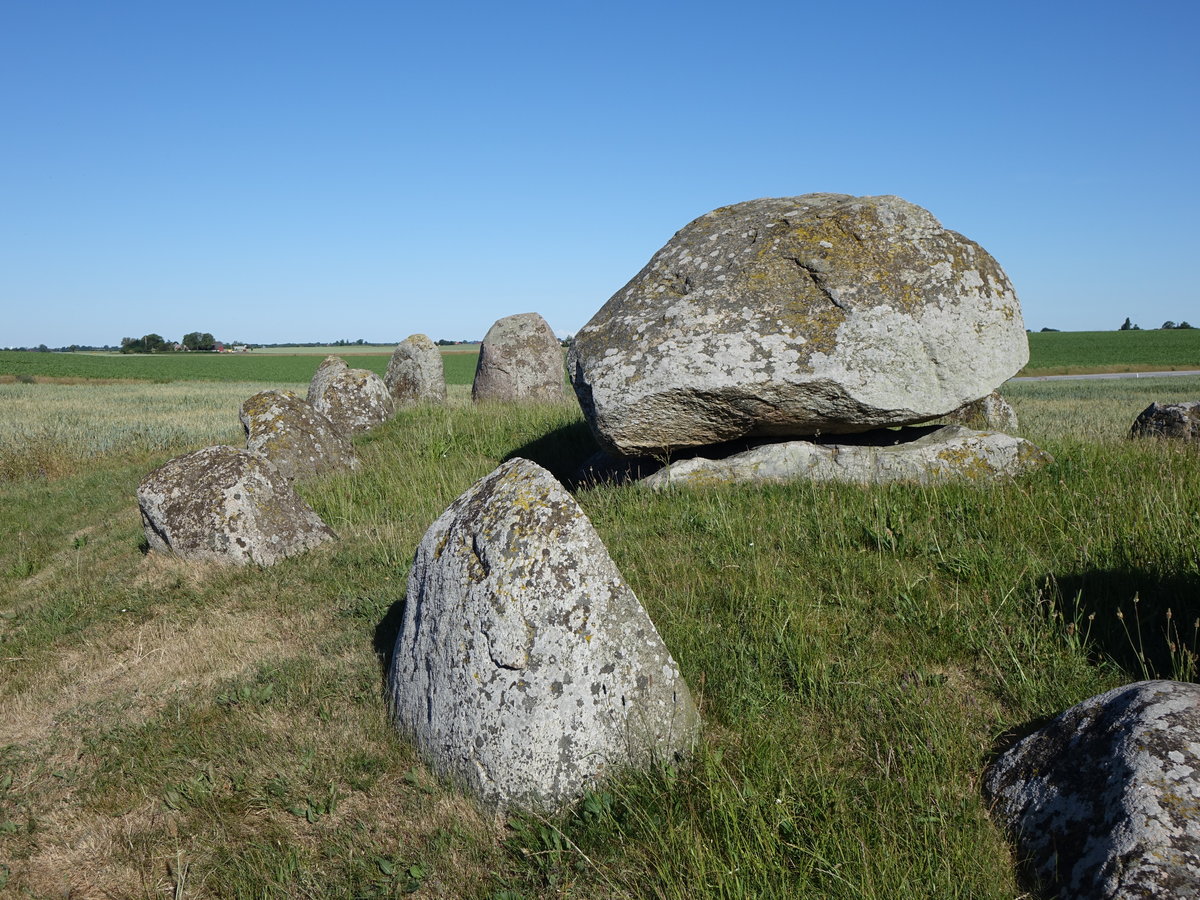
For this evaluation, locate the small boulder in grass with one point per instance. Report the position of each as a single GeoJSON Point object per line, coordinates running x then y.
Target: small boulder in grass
{"type": "Point", "coordinates": [225, 505]}
{"type": "Point", "coordinates": [415, 373]}
{"type": "Point", "coordinates": [1104, 802]}
{"type": "Point", "coordinates": [525, 668]}
{"type": "Point", "coordinates": [355, 400]}
{"type": "Point", "coordinates": [298, 439]}
{"type": "Point", "coordinates": [1179, 421]}
{"type": "Point", "coordinates": [520, 359]}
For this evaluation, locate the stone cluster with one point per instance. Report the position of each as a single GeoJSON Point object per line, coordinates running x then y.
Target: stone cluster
{"type": "Point", "coordinates": [798, 317]}
{"type": "Point", "coordinates": [222, 504]}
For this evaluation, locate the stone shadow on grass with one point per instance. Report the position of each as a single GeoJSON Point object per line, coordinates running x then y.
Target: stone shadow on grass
{"type": "Point", "coordinates": [562, 452]}
{"type": "Point", "coordinates": [1155, 636]}
{"type": "Point", "coordinates": [386, 632]}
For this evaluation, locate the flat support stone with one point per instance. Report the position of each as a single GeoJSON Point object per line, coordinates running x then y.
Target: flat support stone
{"type": "Point", "coordinates": [923, 455]}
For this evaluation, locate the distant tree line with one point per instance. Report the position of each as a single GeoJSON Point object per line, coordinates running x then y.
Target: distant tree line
{"type": "Point", "coordinates": [156, 343]}
{"type": "Point", "coordinates": [1168, 325]}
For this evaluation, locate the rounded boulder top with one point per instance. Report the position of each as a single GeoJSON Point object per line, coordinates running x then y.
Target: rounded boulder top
{"type": "Point", "coordinates": [415, 373]}
{"type": "Point", "coordinates": [823, 313]}
{"type": "Point", "coordinates": [520, 359]}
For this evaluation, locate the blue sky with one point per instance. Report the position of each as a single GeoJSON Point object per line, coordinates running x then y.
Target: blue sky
{"type": "Point", "coordinates": [306, 171]}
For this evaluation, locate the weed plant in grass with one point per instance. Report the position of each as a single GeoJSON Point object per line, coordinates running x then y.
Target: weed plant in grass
{"type": "Point", "coordinates": [858, 653]}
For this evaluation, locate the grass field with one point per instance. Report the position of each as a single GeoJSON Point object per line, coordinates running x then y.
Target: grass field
{"type": "Point", "coordinates": [277, 368]}
{"type": "Point", "coordinates": [1083, 352]}
{"type": "Point", "coordinates": [1051, 353]}
{"type": "Point", "coordinates": [858, 654]}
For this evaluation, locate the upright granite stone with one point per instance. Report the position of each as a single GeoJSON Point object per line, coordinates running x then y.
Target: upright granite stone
{"type": "Point", "coordinates": [789, 317]}
{"type": "Point", "coordinates": [1179, 421]}
{"type": "Point", "coordinates": [298, 439]}
{"type": "Point", "coordinates": [1104, 802]}
{"type": "Point", "coordinates": [992, 413]}
{"type": "Point", "coordinates": [926, 455]}
{"type": "Point", "coordinates": [519, 359]}
{"type": "Point", "coordinates": [355, 400]}
{"type": "Point", "coordinates": [226, 505]}
{"type": "Point", "coordinates": [525, 668]}
{"type": "Point", "coordinates": [415, 373]}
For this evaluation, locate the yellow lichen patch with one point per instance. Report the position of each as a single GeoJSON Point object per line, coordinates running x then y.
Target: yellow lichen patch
{"type": "Point", "coordinates": [967, 462]}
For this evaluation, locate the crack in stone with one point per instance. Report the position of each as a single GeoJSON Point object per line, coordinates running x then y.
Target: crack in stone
{"type": "Point", "coordinates": [819, 282]}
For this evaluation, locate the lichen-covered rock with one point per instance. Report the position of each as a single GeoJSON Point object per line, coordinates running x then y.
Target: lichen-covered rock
{"type": "Point", "coordinates": [298, 439]}
{"type": "Point", "coordinates": [226, 505]}
{"type": "Point", "coordinates": [992, 413]}
{"type": "Point", "coordinates": [525, 667]}
{"type": "Point", "coordinates": [1105, 800]}
{"type": "Point", "coordinates": [924, 455]}
{"type": "Point", "coordinates": [355, 400]}
{"type": "Point", "coordinates": [788, 317]}
{"type": "Point", "coordinates": [415, 373]}
{"type": "Point", "coordinates": [1180, 421]}
{"type": "Point", "coordinates": [519, 359]}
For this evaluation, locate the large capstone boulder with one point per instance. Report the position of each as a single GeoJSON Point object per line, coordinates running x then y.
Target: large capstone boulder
{"type": "Point", "coordinates": [525, 668]}
{"type": "Point", "coordinates": [1105, 800]}
{"type": "Point", "coordinates": [226, 505]}
{"type": "Point", "coordinates": [298, 439]}
{"type": "Point", "coordinates": [520, 359]}
{"type": "Point", "coordinates": [927, 455]}
{"type": "Point", "coordinates": [415, 373]}
{"type": "Point", "coordinates": [355, 400]}
{"type": "Point", "coordinates": [789, 317]}
{"type": "Point", "coordinates": [1179, 421]}
{"type": "Point", "coordinates": [992, 413]}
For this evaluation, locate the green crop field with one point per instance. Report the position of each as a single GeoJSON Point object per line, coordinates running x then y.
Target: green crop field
{"type": "Point", "coordinates": [1081, 352]}
{"type": "Point", "coordinates": [859, 654]}
{"type": "Point", "coordinates": [280, 368]}
{"type": "Point", "coordinates": [1050, 353]}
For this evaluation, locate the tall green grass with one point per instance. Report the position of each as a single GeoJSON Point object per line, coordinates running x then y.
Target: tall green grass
{"type": "Point", "coordinates": [858, 654]}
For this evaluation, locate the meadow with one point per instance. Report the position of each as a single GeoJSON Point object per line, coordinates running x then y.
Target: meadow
{"type": "Point", "coordinates": [859, 654]}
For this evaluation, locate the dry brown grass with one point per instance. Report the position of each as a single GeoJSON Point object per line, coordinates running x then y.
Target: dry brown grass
{"type": "Point", "coordinates": [139, 669]}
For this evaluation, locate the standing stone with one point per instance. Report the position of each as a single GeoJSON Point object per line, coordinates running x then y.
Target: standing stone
{"type": "Point", "coordinates": [789, 317]}
{"type": "Point", "coordinates": [525, 668]}
{"type": "Point", "coordinates": [226, 505]}
{"type": "Point", "coordinates": [415, 373]}
{"type": "Point", "coordinates": [990, 413]}
{"type": "Point", "coordinates": [928, 455]}
{"type": "Point", "coordinates": [1105, 800]}
{"type": "Point", "coordinates": [1180, 421]}
{"type": "Point", "coordinates": [298, 439]}
{"type": "Point", "coordinates": [519, 359]}
{"type": "Point", "coordinates": [355, 400]}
